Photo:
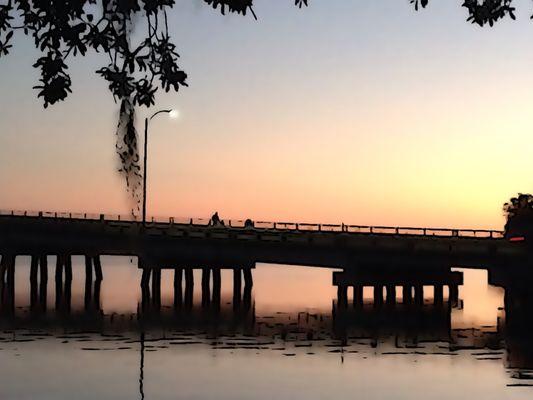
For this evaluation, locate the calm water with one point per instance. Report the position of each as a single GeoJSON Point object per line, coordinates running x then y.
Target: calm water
{"type": "Point", "coordinates": [291, 344]}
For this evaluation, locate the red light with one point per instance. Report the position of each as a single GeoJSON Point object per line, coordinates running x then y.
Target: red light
{"type": "Point", "coordinates": [517, 239]}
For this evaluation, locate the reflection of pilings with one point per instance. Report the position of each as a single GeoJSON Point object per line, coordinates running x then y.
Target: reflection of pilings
{"type": "Point", "coordinates": [411, 322]}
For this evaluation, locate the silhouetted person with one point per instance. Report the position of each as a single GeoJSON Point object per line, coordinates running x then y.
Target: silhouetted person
{"type": "Point", "coordinates": [248, 223]}
{"type": "Point", "coordinates": [216, 221]}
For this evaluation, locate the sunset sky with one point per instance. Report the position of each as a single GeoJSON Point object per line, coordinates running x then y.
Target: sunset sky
{"type": "Point", "coordinates": [363, 112]}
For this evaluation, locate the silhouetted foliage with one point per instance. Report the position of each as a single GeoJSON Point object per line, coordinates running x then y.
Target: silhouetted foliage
{"type": "Point", "coordinates": [519, 213]}
{"type": "Point", "coordinates": [519, 204]}
{"type": "Point", "coordinates": [61, 29]}
{"type": "Point", "coordinates": [481, 12]}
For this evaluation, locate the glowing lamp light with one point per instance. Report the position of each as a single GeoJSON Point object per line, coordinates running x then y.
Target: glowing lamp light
{"type": "Point", "coordinates": [174, 114]}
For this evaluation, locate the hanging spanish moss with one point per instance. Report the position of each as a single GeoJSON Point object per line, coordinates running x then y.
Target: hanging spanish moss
{"type": "Point", "coordinates": [128, 151]}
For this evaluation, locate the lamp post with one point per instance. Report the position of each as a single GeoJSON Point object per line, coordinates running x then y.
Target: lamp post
{"type": "Point", "coordinates": [173, 114]}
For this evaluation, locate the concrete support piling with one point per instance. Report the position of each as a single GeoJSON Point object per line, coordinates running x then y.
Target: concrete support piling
{"type": "Point", "coordinates": [391, 294]}
{"type": "Point", "coordinates": [438, 294]}
{"type": "Point", "coordinates": [378, 295]}
{"type": "Point", "coordinates": [178, 290]}
{"type": "Point", "coordinates": [237, 283]}
{"type": "Point", "coordinates": [206, 295]}
{"type": "Point", "coordinates": [358, 295]}
{"type": "Point", "coordinates": [217, 284]}
{"type": "Point", "coordinates": [407, 294]}
{"type": "Point", "coordinates": [419, 294]}
{"type": "Point", "coordinates": [189, 287]}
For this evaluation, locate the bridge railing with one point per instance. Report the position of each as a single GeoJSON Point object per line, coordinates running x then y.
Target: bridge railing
{"type": "Point", "coordinates": [163, 222]}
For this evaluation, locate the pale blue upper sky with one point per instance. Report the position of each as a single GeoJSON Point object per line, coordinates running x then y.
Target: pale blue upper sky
{"type": "Point", "coordinates": [350, 110]}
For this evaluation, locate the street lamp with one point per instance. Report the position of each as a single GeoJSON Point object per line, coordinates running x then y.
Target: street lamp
{"type": "Point", "coordinates": [172, 114]}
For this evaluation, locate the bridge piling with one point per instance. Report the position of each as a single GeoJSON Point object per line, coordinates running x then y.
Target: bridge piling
{"type": "Point", "coordinates": [453, 295]}
{"type": "Point", "coordinates": [357, 295]}
{"type": "Point", "coordinates": [217, 283]}
{"type": "Point", "coordinates": [34, 269]}
{"type": "Point", "coordinates": [438, 294]}
{"type": "Point", "coordinates": [156, 288]}
{"type": "Point", "coordinates": [189, 287]}
{"type": "Point", "coordinates": [178, 290]}
{"type": "Point", "coordinates": [342, 295]}
{"type": "Point", "coordinates": [59, 279]}
{"type": "Point", "coordinates": [391, 294]}
{"type": "Point", "coordinates": [419, 294]}
{"type": "Point", "coordinates": [88, 281]}
{"type": "Point", "coordinates": [10, 284]}
{"type": "Point", "coordinates": [237, 291]}
{"type": "Point", "coordinates": [98, 268]}
{"type": "Point", "coordinates": [407, 294]}
{"type": "Point", "coordinates": [206, 296]}
{"type": "Point", "coordinates": [378, 295]}
{"type": "Point", "coordinates": [43, 282]}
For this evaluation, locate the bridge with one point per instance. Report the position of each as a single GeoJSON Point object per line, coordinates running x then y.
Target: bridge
{"type": "Point", "coordinates": [379, 256]}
